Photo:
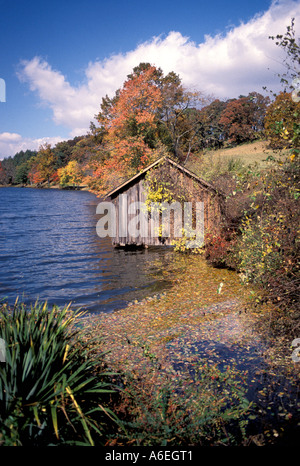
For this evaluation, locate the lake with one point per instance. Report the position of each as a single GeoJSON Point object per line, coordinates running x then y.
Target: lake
{"type": "Point", "coordinates": [49, 250]}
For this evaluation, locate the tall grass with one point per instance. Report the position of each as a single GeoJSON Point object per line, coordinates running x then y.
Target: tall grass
{"type": "Point", "coordinates": [52, 390]}
{"type": "Point", "coordinates": [211, 167]}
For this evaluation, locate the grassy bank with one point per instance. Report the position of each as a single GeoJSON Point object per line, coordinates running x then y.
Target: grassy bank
{"type": "Point", "coordinates": [212, 162]}
{"type": "Point", "coordinates": [250, 153]}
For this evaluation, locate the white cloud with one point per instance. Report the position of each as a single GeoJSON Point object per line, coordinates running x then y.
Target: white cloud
{"type": "Point", "coordinates": [11, 143]}
{"type": "Point", "coordinates": [238, 62]}
{"type": "Point", "coordinates": [10, 137]}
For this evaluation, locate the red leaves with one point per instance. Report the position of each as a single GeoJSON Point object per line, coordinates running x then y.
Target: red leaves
{"type": "Point", "coordinates": [2, 174]}
{"type": "Point", "coordinates": [43, 165]}
{"type": "Point", "coordinates": [242, 118]}
{"type": "Point", "coordinates": [35, 176]}
{"type": "Point", "coordinates": [217, 248]}
{"type": "Point", "coordinates": [137, 103]}
{"type": "Point", "coordinates": [129, 124]}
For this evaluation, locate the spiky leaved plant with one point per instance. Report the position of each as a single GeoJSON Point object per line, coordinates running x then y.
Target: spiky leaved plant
{"type": "Point", "coordinates": [52, 389]}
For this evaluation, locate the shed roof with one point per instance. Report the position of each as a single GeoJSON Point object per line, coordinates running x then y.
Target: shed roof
{"type": "Point", "coordinates": [204, 183]}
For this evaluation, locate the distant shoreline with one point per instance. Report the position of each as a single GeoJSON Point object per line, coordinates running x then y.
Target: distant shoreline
{"type": "Point", "coordinates": [47, 186]}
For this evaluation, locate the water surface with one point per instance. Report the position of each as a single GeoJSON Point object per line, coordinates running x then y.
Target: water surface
{"type": "Point", "coordinates": [49, 250]}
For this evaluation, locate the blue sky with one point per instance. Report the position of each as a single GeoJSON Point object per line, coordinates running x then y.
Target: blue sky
{"type": "Point", "coordinates": [59, 58]}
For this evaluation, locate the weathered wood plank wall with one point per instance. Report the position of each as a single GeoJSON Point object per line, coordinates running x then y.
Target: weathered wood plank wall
{"type": "Point", "coordinates": [136, 193]}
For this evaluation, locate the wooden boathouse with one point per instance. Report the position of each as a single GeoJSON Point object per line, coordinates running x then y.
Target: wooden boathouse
{"type": "Point", "coordinates": [135, 191]}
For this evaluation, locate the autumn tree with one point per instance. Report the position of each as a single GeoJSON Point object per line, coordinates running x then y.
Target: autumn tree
{"type": "Point", "coordinates": [128, 125]}
{"type": "Point", "coordinates": [9, 171]}
{"type": "Point", "coordinates": [179, 122]}
{"type": "Point", "coordinates": [242, 118]}
{"type": "Point", "coordinates": [151, 114]}
{"type": "Point", "coordinates": [43, 165]}
{"type": "Point", "coordinates": [259, 105]}
{"type": "Point", "coordinates": [212, 132]}
{"type": "Point", "coordinates": [34, 174]}
{"type": "Point", "coordinates": [282, 122]}
{"type": "Point", "coordinates": [84, 149]}
{"type": "Point", "coordinates": [134, 116]}
{"type": "Point", "coordinates": [2, 174]}
{"type": "Point", "coordinates": [70, 174]}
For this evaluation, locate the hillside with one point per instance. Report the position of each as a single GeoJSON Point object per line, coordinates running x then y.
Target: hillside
{"type": "Point", "coordinates": [254, 154]}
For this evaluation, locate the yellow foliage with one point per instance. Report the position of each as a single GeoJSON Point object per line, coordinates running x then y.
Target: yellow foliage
{"type": "Point", "coordinates": [70, 174]}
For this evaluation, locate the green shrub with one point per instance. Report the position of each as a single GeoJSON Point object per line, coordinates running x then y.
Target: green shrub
{"type": "Point", "coordinates": [52, 391]}
{"type": "Point", "coordinates": [268, 246]}
{"type": "Point", "coordinates": [259, 250]}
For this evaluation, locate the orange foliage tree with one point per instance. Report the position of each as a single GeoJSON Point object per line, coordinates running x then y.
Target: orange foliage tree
{"type": "Point", "coordinates": [129, 123]}
{"type": "Point", "coordinates": [34, 175]}
{"type": "Point", "coordinates": [150, 115]}
{"type": "Point", "coordinates": [242, 119]}
{"type": "Point", "coordinates": [43, 165]}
